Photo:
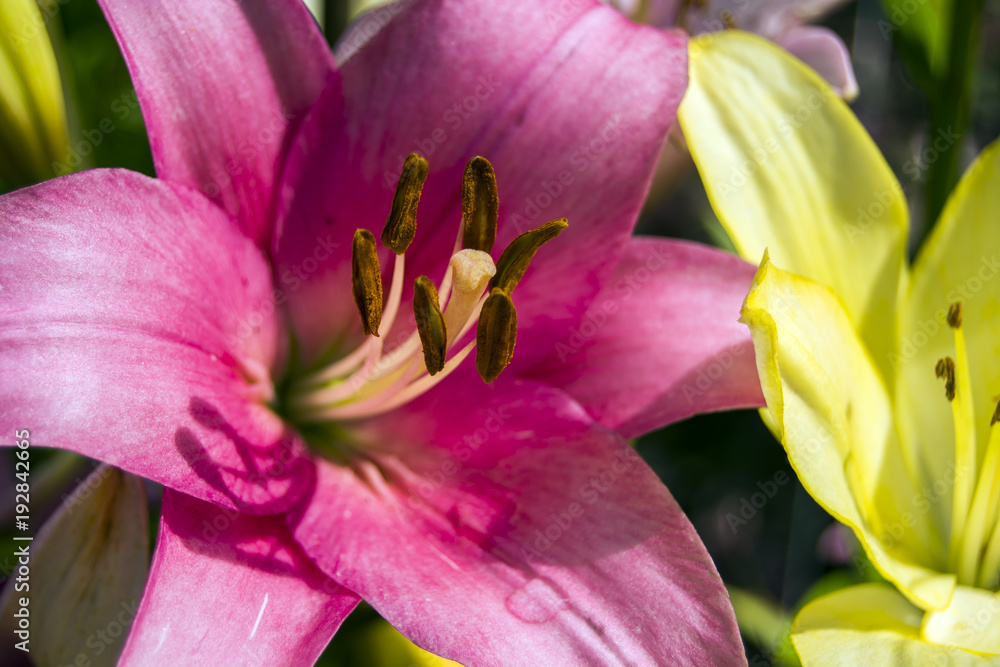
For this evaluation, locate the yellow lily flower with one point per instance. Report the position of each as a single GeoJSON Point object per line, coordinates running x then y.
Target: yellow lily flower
{"type": "Point", "coordinates": [33, 125]}
{"type": "Point", "coordinates": [881, 378]}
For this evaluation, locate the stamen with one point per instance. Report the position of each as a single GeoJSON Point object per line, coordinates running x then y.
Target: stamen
{"type": "Point", "coordinates": [401, 226]}
{"type": "Point", "coordinates": [430, 324]}
{"type": "Point", "coordinates": [480, 205]}
{"type": "Point", "coordinates": [958, 390]}
{"type": "Point", "coordinates": [945, 368]}
{"type": "Point", "coordinates": [471, 270]}
{"type": "Point", "coordinates": [361, 362]}
{"type": "Point", "coordinates": [377, 405]}
{"type": "Point", "coordinates": [366, 281]}
{"type": "Point", "coordinates": [495, 335]}
{"type": "Point", "coordinates": [955, 315]}
{"type": "Point", "coordinates": [515, 258]}
{"type": "Point", "coordinates": [371, 381]}
{"type": "Point", "coordinates": [989, 567]}
{"type": "Point", "coordinates": [983, 517]}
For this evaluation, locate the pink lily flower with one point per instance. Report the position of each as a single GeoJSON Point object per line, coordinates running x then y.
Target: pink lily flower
{"type": "Point", "coordinates": [199, 329]}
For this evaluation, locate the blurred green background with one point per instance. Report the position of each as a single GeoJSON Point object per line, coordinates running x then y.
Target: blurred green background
{"type": "Point", "coordinates": [776, 553]}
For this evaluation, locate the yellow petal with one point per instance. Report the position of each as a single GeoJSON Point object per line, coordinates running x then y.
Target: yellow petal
{"type": "Point", "coordinates": [959, 262]}
{"type": "Point", "coordinates": [835, 421]}
{"type": "Point", "coordinates": [33, 128]}
{"type": "Point", "coordinates": [788, 167]}
{"type": "Point", "coordinates": [870, 624]}
{"type": "Point", "coordinates": [971, 621]}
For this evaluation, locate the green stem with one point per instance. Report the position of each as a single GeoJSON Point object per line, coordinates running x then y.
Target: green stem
{"type": "Point", "coordinates": [950, 108]}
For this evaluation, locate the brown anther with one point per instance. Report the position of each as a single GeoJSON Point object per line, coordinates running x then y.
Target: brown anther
{"type": "Point", "coordinates": [945, 368]}
{"type": "Point", "coordinates": [366, 281]}
{"type": "Point", "coordinates": [496, 334]}
{"type": "Point", "coordinates": [515, 258]}
{"type": "Point", "coordinates": [430, 324]}
{"type": "Point", "coordinates": [996, 415]}
{"type": "Point", "coordinates": [401, 225]}
{"type": "Point", "coordinates": [480, 205]}
{"type": "Point", "coordinates": [955, 315]}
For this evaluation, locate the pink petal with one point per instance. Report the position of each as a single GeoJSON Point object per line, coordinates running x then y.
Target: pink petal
{"type": "Point", "coordinates": [661, 342]}
{"type": "Point", "coordinates": [231, 589]}
{"type": "Point", "coordinates": [222, 86]}
{"type": "Point", "coordinates": [502, 526]}
{"type": "Point", "coordinates": [132, 315]}
{"type": "Point", "coordinates": [826, 53]}
{"type": "Point", "coordinates": [556, 95]}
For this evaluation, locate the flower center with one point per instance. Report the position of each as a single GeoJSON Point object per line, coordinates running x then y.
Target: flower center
{"type": "Point", "coordinates": [974, 543]}
{"type": "Point", "coordinates": [473, 291]}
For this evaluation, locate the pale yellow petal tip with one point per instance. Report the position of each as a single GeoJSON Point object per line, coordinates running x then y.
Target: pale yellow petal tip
{"type": "Point", "coordinates": [746, 311]}
{"type": "Point", "coordinates": [850, 92]}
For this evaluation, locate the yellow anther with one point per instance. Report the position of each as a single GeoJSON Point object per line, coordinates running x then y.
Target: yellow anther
{"type": "Point", "coordinates": [366, 281]}
{"type": "Point", "coordinates": [480, 205]}
{"type": "Point", "coordinates": [401, 225]}
{"type": "Point", "coordinates": [495, 335]}
{"type": "Point", "coordinates": [430, 324]}
{"type": "Point", "coordinates": [515, 258]}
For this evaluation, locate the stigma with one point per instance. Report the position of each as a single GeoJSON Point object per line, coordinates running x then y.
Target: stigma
{"type": "Point", "coordinates": [472, 292]}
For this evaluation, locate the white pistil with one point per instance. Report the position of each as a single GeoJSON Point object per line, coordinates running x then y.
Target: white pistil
{"type": "Point", "coordinates": [473, 270]}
